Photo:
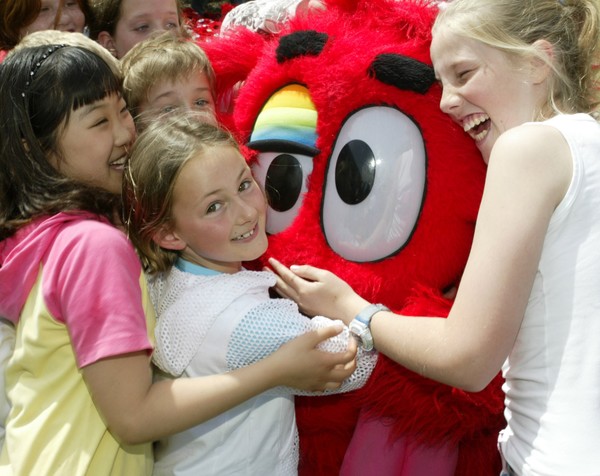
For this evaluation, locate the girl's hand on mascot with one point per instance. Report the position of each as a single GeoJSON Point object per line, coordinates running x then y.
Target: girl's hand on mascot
{"type": "Point", "coordinates": [301, 364]}
{"type": "Point", "coordinates": [317, 291]}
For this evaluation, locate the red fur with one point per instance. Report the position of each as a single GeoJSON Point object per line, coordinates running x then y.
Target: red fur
{"type": "Point", "coordinates": [413, 280]}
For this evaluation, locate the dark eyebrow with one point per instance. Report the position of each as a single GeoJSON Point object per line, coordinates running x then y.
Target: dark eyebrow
{"type": "Point", "coordinates": [300, 43]}
{"type": "Point", "coordinates": [95, 106]}
{"type": "Point", "coordinates": [402, 72]}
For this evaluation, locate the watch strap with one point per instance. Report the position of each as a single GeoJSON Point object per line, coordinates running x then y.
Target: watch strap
{"type": "Point", "coordinates": [360, 325]}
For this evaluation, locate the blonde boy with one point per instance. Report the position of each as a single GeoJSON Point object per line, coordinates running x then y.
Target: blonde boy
{"type": "Point", "coordinates": [167, 73]}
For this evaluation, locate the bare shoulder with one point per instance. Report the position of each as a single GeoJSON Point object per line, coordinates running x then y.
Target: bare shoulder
{"type": "Point", "coordinates": [537, 153]}
{"type": "Point", "coordinates": [536, 139]}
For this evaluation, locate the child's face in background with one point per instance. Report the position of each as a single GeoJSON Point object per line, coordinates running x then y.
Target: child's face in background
{"type": "Point", "coordinates": [94, 143]}
{"type": "Point", "coordinates": [219, 211]}
{"type": "Point", "coordinates": [139, 19]}
{"type": "Point", "coordinates": [71, 17]}
{"type": "Point", "coordinates": [191, 93]}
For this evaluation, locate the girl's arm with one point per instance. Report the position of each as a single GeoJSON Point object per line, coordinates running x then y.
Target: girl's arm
{"type": "Point", "coordinates": [268, 324]}
{"type": "Point", "coordinates": [136, 410]}
{"type": "Point", "coordinates": [529, 172]}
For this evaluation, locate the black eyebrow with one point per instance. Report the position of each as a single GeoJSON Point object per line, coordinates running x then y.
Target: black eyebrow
{"type": "Point", "coordinates": [402, 72]}
{"type": "Point", "coordinates": [300, 43]}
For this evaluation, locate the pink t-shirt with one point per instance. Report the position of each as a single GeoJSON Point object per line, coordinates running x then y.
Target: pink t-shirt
{"type": "Point", "coordinates": [91, 282]}
{"type": "Point", "coordinates": [74, 286]}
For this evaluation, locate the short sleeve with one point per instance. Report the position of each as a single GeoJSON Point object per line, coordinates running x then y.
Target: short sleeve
{"type": "Point", "coordinates": [91, 282]}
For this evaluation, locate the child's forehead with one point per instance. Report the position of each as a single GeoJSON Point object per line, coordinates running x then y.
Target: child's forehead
{"type": "Point", "coordinates": [218, 154]}
{"type": "Point", "coordinates": [171, 83]}
{"type": "Point", "coordinates": [174, 73]}
{"type": "Point", "coordinates": [220, 158]}
{"type": "Point", "coordinates": [148, 7]}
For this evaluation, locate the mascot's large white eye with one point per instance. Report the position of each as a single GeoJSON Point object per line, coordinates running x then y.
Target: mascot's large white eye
{"type": "Point", "coordinates": [375, 185]}
{"type": "Point", "coordinates": [283, 177]}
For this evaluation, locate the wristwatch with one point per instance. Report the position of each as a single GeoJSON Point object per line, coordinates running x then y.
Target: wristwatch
{"type": "Point", "coordinates": [359, 327]}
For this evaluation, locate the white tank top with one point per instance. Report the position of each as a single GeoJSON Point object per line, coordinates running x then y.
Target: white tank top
{"type": "Point", "coordinates": [553, 372]}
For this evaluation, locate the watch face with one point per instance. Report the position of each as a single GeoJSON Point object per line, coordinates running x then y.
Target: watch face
{"type": "Point", "coordinates": [362, 334]}
{"type": "Point", "coordinates": [356, 332]}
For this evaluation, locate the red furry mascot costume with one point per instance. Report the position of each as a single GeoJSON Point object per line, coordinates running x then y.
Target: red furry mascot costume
{"type": "Point", "coordinates": [365, 176]}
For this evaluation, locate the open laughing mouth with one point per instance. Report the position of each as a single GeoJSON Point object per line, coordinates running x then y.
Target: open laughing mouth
{"type": "Point", "coordinates": [477, 126]}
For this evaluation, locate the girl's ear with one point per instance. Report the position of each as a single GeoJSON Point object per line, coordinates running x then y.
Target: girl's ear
{"type": "Point", "coordinates": [106, 40]}
{"type": "Point", "coordinates": [168, 239]}
{"type": "Point", "coordinates": [541, 64]}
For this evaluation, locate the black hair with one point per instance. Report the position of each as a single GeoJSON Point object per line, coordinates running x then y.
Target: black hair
{"type": "Point", "coordinates": [40, 87]}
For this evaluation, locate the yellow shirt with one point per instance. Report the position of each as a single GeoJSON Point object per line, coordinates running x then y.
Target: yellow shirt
{"type": "Point", "coordinates": [49, 395]}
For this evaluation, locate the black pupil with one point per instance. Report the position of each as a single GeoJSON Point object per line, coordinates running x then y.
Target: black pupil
{"type": "Point", "coordinates": [355, 172]}
{"type": "Point", "coordinates": [284, 182]}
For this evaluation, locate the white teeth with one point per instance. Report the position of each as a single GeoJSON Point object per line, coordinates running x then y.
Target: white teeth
{"type": "Point", "coordinates": [479, 136]}
{"type": "Point", "coordinates": [472, 122]}
{"type": "Point", "coordinates": [119, 162]}
{"type": "Point", "coordinates": [245, 235]}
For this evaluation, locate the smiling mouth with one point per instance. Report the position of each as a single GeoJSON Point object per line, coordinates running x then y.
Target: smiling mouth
{"type": "Point", "coordinates": [246, 235]}
{"type": "Point", "coordinates": [118, 163]}
{"type": "Point", "coordinates": [477, 126]}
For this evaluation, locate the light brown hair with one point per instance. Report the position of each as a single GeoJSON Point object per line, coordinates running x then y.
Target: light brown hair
{"type": "Point", "coordinates": [164, 57]}
{"type": "Point", "coordinates": [155, 162]}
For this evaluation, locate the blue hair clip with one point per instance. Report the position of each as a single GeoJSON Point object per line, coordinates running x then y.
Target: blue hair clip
{"type": "Point", "coordinates": [562, 2]}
